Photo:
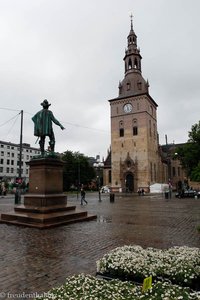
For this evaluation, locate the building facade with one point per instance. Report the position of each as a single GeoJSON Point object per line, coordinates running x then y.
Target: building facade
{"type": "Point", "coordinates": [136, 160]}
{"type": "Point", "coordinates": [9, 160]}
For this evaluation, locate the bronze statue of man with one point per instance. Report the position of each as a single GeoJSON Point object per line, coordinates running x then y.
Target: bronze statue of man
{"type": "Point", "coordinates": [43, 126]}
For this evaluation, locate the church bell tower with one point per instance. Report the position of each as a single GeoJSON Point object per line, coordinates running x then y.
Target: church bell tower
{"type": "Point", "coordinates": [134, 139]}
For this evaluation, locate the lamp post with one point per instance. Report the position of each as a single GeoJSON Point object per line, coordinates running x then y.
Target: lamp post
{"type": "Point", "coordinates": [98, 166]}
{"type": "Point", "coordinates": [79, 178]}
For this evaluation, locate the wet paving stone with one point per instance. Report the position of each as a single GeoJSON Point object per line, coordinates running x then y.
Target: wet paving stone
{"type": "Point", "coordinates": [33, 260]}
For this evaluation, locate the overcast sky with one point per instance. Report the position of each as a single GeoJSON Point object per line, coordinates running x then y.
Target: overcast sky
{"type": "Point", "coordinates": [71, 52]}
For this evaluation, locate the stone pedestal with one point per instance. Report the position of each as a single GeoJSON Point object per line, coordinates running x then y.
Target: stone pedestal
{"type": "Point", "coordinates": [45, 205]}
{"type": "Point", "coordinates": [45, 183]}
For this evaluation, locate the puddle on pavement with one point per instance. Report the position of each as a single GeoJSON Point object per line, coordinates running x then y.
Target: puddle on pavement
{"type": "Point", "coordinates": [103, 219]}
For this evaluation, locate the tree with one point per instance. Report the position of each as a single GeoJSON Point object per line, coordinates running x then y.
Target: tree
{"type": "Point", "coordinates": [189, 154]}
{"type": "Point", "coordinates": [77, 170]}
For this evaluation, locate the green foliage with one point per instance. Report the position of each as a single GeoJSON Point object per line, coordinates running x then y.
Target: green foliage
{"type": "Point", "coordinates": [195, 174]}
{"type": "Point", "coordinates": [194, 134]}
{"type": "Point", "coordinates": [77, 170]}
{"type": "Point", "coordinates": [189, 154]}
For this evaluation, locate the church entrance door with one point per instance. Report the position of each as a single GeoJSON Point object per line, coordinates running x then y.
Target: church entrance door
{"type": "Point", "coordinates": [129, 182]}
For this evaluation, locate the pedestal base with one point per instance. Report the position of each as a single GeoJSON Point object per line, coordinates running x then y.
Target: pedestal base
{"type": "Point", "coordinates": [46, 205]}
{"type": "Point", "coordinates": [45, 216]}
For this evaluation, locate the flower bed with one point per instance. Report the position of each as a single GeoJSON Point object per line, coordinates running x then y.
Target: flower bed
{"type": "Point", "coordinates": [181, 265]}
{"type": "Point", "coordinates": [86, 287]}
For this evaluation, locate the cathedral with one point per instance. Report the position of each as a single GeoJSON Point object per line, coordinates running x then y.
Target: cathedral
{"type": "Point", "coordinates": [135, 160]}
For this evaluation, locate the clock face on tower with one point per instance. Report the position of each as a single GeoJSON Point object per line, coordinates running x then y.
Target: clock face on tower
{"type": "Point", "coordinates": [128, 108]}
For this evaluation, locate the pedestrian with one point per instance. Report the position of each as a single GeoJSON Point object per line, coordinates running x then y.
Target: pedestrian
{"type": "Point", "coordinates": [83, 196]}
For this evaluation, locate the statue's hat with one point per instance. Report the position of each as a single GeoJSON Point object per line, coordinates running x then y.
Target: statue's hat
{"type": "Point", "coordinates": [45, 103]}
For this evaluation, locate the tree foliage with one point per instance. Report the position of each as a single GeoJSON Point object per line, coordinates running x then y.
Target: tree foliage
{"type": "Point", "coordinates": [77, 170]}
{"type": "Point", "coordinates": [189, 153]}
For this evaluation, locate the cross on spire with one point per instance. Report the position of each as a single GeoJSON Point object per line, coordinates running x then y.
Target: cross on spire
{"type": "Point", "coordinates": [131, 17]}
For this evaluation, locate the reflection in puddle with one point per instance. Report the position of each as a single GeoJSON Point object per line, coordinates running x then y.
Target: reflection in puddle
{"type": "Point", "coordinates": [103, 219]}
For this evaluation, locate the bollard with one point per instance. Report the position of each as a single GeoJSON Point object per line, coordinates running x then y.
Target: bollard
{"type": "Point", "coordinates": [166, 195]}
{"type": "Point", "coordinates": [112, 197]}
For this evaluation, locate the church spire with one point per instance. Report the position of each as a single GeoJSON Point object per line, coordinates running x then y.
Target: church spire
{"type": "Point", "coordinates": [132, 54]}
{"type": "Point", "coordinates": [133, 82]}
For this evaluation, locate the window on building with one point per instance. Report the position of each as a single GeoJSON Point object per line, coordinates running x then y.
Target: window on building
{"type": "Point", "coordinates": [2, 146]}
{"type": "Point", "coordinates": [8, 147]}
{"type": "Point", "coordinates": [12, 148]}
{"type": "Point", "coordinates": [135, 127]}
{"type": "Point", "coordinates": [27, 157]}
{"type": "Point", "coordinates": [26, 171]}
{"type": "Point", "coordinates": [121, 128]}
{"type": "Point", "coordinates": [135, 63]}
{"type": "Point", "coordinates": [135, 130]}
{"type": "Point", "coordinates": [7, 170]}
{"type": "Point", "coordinates": [1, 169]}
{"type": "Point", "coordinates": [12, 162]}
{"type": "Point", "coordinates": [12, 154]}
{"type": "Point", "coordinates": [8, 161]}
{"type": "Point", "coordinates": [121, 132]}
{"type": "Point", "coordinates": [2, 153]}
{"type": "Point", "coordinates": [139, 85]}
{"type": "Point", "coordinates": [11, 170]}
{"type": "Point", "coordinates": [1, 161]}
{"type": "Point", "coordinates": [174, 171]}
{"type": "Point", "coordinates": [129, 64]}
{"type": "Point", "coordinates": [128, 85]}
{"type": "Point", "coordinates": [8, 154]}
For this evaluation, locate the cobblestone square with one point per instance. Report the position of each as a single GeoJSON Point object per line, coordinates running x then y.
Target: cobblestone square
{"type": "Point", "coordinates": [34, 261]}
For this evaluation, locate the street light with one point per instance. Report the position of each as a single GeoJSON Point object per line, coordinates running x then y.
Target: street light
{"type": "Point", "coordinates": [98, 166]}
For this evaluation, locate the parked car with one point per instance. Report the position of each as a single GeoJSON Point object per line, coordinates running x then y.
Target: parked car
{"type": "Point", "coordinates": [105, 189]}
{"type": "Point", "coordinates": [188, 194]}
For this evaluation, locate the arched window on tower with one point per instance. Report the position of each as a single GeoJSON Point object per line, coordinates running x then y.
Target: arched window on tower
{"type": "Point", "coordinates": [139, 84]}
{"type": "Point", "coordinates": [130, 64]}
{"type": "Point", "coordinates": [135, 127]}
{"type": "Point", "coordinates": [121, 128]}
{"type": "Point", "coordinates": [128, 86]}
{"type": "Point", "coordinates": [135, 64]}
